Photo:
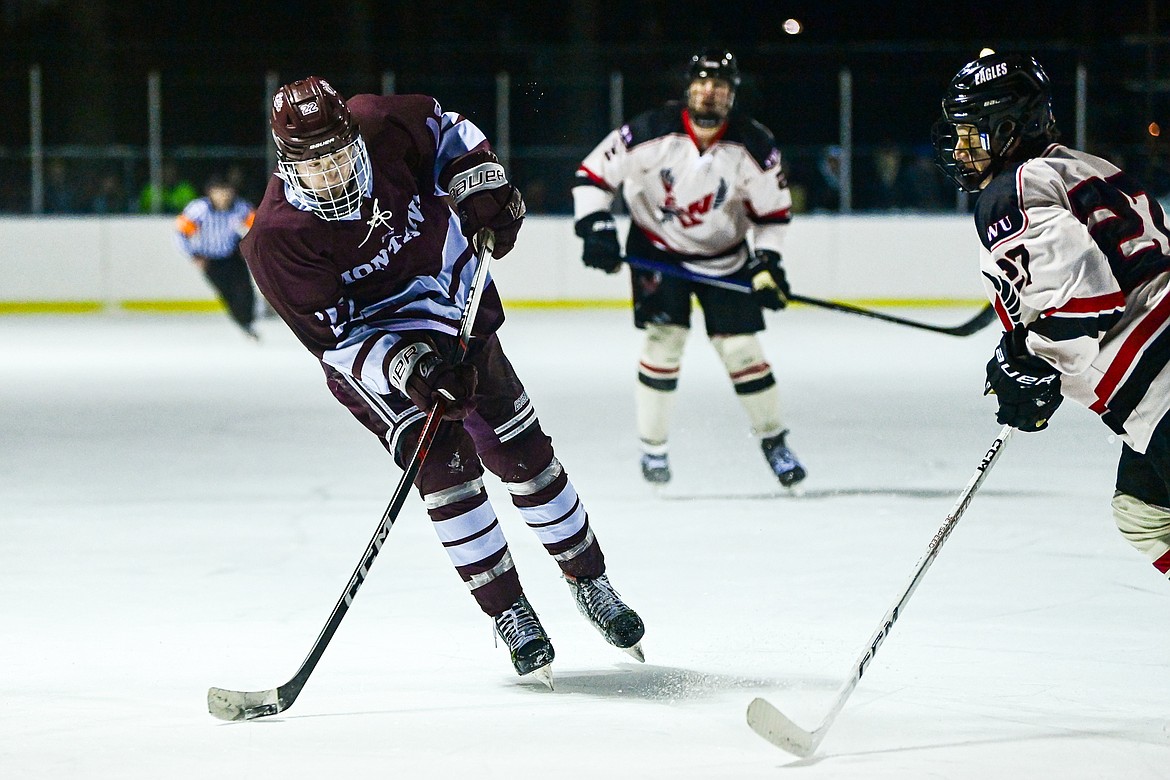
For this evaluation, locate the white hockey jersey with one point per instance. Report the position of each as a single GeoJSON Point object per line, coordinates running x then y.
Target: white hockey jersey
{"type": "Point", "coordinates": [700, 206]}
{"type": "Point", "coordinates": [1078, 251]}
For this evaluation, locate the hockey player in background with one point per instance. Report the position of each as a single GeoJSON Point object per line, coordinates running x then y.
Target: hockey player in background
{"type": "Point", "coordinates": [1076, 260]}
{"type": "Point", "coordinates": [699, 181]}
{"type": "Point", "coordinates": [357, 248]}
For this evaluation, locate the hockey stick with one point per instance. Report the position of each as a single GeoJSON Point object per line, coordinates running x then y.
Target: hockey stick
{"type": "Point", "coordinates": [246, 705]}
{"type": "Point", "coordinates": [976, 323]}
{"type": "Point", "coordinates": [777, 728]}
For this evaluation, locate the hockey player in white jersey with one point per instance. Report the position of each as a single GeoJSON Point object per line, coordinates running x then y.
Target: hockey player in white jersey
{"type": "Point", "coordinates": [705, 191]}
{"type": "Point", "coordinates": [1076, 260]}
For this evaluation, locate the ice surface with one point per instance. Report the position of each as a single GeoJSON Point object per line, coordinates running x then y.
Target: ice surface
{"type": "Point", "coordinates": [181, 508]}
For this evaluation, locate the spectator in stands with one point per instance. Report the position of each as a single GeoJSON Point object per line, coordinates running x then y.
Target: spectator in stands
{"type": "Point", "coordinates": [823, 188]}
{"type": "Point", "coordinates": [60, 196]}
{"type": "Point", "coordinates": [109, 197]}
{"type": "Point", "coordinates": [176, 192]}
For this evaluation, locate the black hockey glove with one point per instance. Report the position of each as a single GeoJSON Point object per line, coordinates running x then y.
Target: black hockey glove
{"type": "Point", "coordinates": [484, 198]}
{"type": "Point", "coordinates": [1027, 387]}
{"type": "Point", "coordinates": [769, 282]}
{"type": "Point", "coordinates": [601, 250]}
{"type": "Point", "coordinates": [420, 373]}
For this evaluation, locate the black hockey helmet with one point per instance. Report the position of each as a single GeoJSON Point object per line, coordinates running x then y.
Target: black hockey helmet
{"type": "Point", "coordinates": [714, 64]}
{"type": "Point", "coordinates": [1007, 99]}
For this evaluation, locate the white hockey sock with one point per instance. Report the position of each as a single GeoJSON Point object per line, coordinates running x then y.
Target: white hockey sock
{"type": "Point", "coordinates": [1146, 527]}
{"type": "Point", "coordinates": [657, 380]}
{"type": "Point", "coordinates": [754, 383]}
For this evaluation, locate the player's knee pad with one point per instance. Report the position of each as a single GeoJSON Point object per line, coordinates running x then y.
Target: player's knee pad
{"type": "Point", "coordinates": [661, 356]}
{"type": "Point", "coordinates": [520, 458]}
{"type": "Point", "coordinates": [1145, 526]}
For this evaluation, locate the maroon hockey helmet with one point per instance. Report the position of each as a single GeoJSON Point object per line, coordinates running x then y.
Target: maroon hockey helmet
{"type": "Point", "coordinates": [310, 120]}
{"type": "Point", "coordinates": [320, 154]}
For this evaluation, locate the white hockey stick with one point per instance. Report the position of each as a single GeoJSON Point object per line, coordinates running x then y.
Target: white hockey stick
{"type": "Point", "coordinates": [779, 729]}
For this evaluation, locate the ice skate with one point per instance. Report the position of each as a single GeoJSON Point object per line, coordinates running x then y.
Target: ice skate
{"type": "Point", "coordinates": [529, 645]}
{"type": "Point", "coordinates": [655, 468]}
{"type": "Point", "coordinates": [782, 460]}
{"type": "Point", "coordinates": [604, 608]}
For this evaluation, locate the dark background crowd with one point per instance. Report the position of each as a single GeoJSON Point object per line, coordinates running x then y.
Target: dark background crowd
{"type": "Point", "coordinates": [851, 97]}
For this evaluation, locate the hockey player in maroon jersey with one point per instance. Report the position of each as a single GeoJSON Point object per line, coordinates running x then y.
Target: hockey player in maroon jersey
{"type": "Point", "coordinates": [356, 246]}
{"type": "Point", "coordinates": [699, 180]}
{"type": "Point", "coordinates": [1076, 259]}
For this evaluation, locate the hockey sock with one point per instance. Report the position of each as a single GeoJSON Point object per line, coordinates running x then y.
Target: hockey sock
{"type": "Point", "coordinates": [1146, 527]}
{"type": "Point", "coordinates": [754, 383]}
{"type": "Point", "coordinates": [657, 380]}
{"type": "Point", "coordinates": [467, 526]}
{"type": "Point", "coordinates": [551, 507]}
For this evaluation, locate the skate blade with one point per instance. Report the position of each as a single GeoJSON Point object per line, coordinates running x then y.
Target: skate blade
{"type": "Point", "coordinates": [544, 674]}
{"type": "Point", "coordinates": [636, 653]}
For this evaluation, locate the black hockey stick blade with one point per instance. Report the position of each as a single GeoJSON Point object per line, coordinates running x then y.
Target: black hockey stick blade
{"type": "Point", "coordinates": [981, 320]}
{"type": "Point", "coordinates": [977, 323]}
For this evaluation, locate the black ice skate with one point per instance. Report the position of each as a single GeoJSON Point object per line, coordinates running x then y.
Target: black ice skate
{"type": "Point", "coordinates": [655, 468]}
{"type": "Point", "coordinates": [604, 608]}
{"type": "Point", "coordinates": [782, 460]}
{"type": "Point", "coordinates": [529, 645]}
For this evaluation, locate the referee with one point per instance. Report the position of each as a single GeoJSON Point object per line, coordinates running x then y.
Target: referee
{"type": "Point", "coordinates": [209, 230]}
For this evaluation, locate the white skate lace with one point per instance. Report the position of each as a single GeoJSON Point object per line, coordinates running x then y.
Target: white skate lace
{"type": "Point", "coordinates": [518, 626]}
{"type": "Point", "coordinates": [599, 601]}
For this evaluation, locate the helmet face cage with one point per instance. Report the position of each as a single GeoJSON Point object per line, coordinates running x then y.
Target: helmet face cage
{"type": "Point", "coordinates": [963, 152]}
{"type": "Point", "coordinates": [711, 64]}
{"type": "Point", "coordinates": [997, 100]}
{"type": "Point", "coordinates": [331, 186]}
{"type": "Point", "coordinates": [320, 154]}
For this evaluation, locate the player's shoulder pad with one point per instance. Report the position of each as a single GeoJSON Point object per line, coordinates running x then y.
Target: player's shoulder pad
{"type": "Point", "coordinates": [999, 214]}
{"type": "Point", "coordinates": [653, 124]}
{"type": "Point", "coordinates": [754, 137]}
{"type": "Point", "coordinates": [374, 112]}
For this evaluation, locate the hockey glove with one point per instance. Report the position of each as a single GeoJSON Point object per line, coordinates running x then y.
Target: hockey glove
{"type": "Point", "coordinates": [769, 282]}
{"type": "Point", "coordinates": [601, 242]}
{"type": "Point", "coordinates": [484, 198]}
{"type": "Point", "coordinates": [422, 375]}
{"type": "Point", "coordinates": [1027, 387]}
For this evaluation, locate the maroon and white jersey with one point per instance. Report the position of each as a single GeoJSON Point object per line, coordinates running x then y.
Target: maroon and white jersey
{"type": "Point", "coordinates": [350, 289]}
{"type": "Point", "coordinates": [698, 205]}
{"type": "Point", "coordinates": [1079, 252]}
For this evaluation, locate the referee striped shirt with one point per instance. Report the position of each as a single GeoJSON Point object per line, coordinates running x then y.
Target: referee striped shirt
{"type": "Point", "coordinates": [203, 231]}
